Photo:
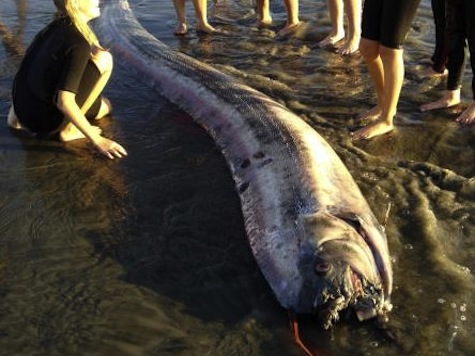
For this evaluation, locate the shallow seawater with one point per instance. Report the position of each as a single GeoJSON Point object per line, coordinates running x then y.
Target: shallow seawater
{"type": "Point", "coordinates": [148, 255]}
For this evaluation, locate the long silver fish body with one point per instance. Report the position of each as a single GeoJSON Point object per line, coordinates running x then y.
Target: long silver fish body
{"type": "Point", "coordinates": [311, 231]}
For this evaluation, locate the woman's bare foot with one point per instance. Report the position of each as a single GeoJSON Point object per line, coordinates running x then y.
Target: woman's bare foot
{"type": "Point", "coordinates": [71, 132]}
{"type": "Point", "coordinates": [349, 47]}
{"type": "Point", "coordinates": [450, 98]}
{"type": "Point", "coordinates": [331, 39]}
{"type": "Point", "coordinates": [429, 72]}
{"type": "Point", "coordinates": [265, 21]}
{"type": "Point", "coordinates": [289, 29]}
{"type": "Point", "coordinates": [181, 29]}
{"type": "Point", "coordinates": [261, 24]}
{"type": "Point", "coordinates": [468, 115]}
{"type": "Point", "coordinates": [12, 120]}
{"type": "Point", "coordinates": [369, 116]}
{"type": "Point", "coordinates": [205, 28]}
{"type": "Point", "coordinates": [377, 128]}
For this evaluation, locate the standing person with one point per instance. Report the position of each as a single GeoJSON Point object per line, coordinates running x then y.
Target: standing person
{"type": "Point", "coordinates": [384, 28]}
{"type": "Point", "coordinates": [201, 13]}
{"type": "Point", "coordinates": [460, 28]}
{"type": "Point", "coordinates": [292, 8]}
{"type": "Point", "coordinates": [58, 86]}
{"type": "Point", "coordinates": [353, 12]}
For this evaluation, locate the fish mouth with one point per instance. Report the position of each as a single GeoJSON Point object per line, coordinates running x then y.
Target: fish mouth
{"type": "Point", "coordinates": [352, 292]}
{"type": "Point", "coordinates": [346, 267]}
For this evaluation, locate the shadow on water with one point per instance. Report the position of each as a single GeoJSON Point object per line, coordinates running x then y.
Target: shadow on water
{"type": "Point", "coordinates": [174, 239]}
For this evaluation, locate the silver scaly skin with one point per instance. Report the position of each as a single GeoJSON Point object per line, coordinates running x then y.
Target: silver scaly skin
{"type": "Point", "coordinates": [311, 231]}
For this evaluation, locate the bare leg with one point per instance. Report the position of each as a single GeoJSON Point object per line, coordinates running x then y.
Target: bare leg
{"type": "Point", "coordinates": [201, 12]}
{"type": "Point", "coordinates": [393, 74]}
{"type": "Point", "coordinates": [393, 65]}
{"type": "Point", "coordinates": [468, 115]}
{"type": "Point", "coordinates": [335, 8]}
{"type": "Point", "coordinates": [370, 51]}
{"type": "Point", "coordinates": [263, 11]}
{"type": "Point", "coordinates": [450, 98]}
{"type": "Point", "coordinates": [431, 73]}
{"type": "Point", "coordinates": [353, 11]}
{"type": "Point", "coordinates": [292, 7]}
{"type": "Point", "coordinates": [104, 63]}
{"type": "Point", "coordinates": [181, 27]}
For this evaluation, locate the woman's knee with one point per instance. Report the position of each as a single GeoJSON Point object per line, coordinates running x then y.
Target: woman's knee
{"type": "Point", "coordinates": [105, 109]}
{"type": "Point", "coordinates": [390, 54]}
{"type": "Point", "coordinates": [369, 49]}
{"type": "Point", "coordinates": [103, 60]}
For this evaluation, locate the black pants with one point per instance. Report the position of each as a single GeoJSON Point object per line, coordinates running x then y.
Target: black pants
{"type": "Point", "coordinates": [460, 31]}
{"type": "Point", "coordinates": [388, 21]}
{"type": "Point", "coordinates": [439, 58]}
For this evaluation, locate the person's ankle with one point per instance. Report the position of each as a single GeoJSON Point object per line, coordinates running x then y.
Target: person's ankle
{"type": "Point", "coordinates": [453, 95]}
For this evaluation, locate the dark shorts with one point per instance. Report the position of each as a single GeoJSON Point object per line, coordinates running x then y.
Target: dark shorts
{"type": "Point", "coordinates": [44, 118]}
{"type": "Point", "coordinates": [388, 21]}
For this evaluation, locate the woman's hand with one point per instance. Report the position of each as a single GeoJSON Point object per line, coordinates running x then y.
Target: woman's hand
{"type": "Point", "coordinates": [109, 148]}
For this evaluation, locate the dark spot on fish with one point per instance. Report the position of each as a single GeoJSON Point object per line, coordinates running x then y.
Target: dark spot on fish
{"type": "Point", "coordinates": [243, 187]}
{"type": "Point", "coordinates": [259, 155]}
{"type": "Point", "coordinates": [265, 162]}
{"type": "Point", "coordinates": [246, 163]}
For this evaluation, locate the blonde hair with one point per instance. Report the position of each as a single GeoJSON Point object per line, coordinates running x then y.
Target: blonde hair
{"type": "Point", "coordinates": [66, 8]}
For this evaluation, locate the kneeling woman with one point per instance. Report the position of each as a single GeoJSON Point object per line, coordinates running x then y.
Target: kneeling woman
{"type": "Point", "coordinates": [57, 90]}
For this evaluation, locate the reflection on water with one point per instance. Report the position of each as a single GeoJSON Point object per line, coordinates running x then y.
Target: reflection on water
{"type": "Point", "coordinates": [149, 256]}
{"type": "Point", "coordinates": [12, 40]}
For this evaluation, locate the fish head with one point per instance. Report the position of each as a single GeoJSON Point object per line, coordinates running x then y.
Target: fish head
{"type": "Point", "coordinates": [340, 270]}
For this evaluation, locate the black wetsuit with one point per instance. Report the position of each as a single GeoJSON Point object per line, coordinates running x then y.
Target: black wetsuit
{"type": "Point", "coordinates": [59, 58]}
{"type": "Point", "coordinates": [388, 21]}
{"type": "Point", "coordinates": [460, 27]}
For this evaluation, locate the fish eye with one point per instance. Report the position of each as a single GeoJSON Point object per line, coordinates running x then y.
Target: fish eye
{"type": "Point", "coordinates": [322, 268]}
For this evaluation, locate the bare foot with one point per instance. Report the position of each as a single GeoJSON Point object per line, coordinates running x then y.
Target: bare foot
{"type": "Point", "coordinates": [429, 72]}
{"type": "Point", "coordinates": [205, 28]}
{"type": "Point", "coordinates": [71, 132]}
{"type": "Point", "coordinates": [377, 128]}
{"type": "Point", "coordinates": [369, 116]}
{"type": "Point", "coordinates": [349, 47]}
{"type": "Point", "coordinates": [331, 39]}
{"type": "Point", "coordinates": [289, 29]}
{"type": "Point", "coordinates": [265, 21]}
{"type": "Point", "coordinates": [181, 29]}
{"type": "Point", "coordinates": [12, 120]}
{"type": "Point", "coordinates": [450, 98]}
{"type": "Point", "coordinates": [261, 24]}
{"type": "Point", "coordinates": [468, 115]}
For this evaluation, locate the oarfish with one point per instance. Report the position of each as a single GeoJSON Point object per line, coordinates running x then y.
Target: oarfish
{"type": "Point", "coordinates": [311, 231]}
